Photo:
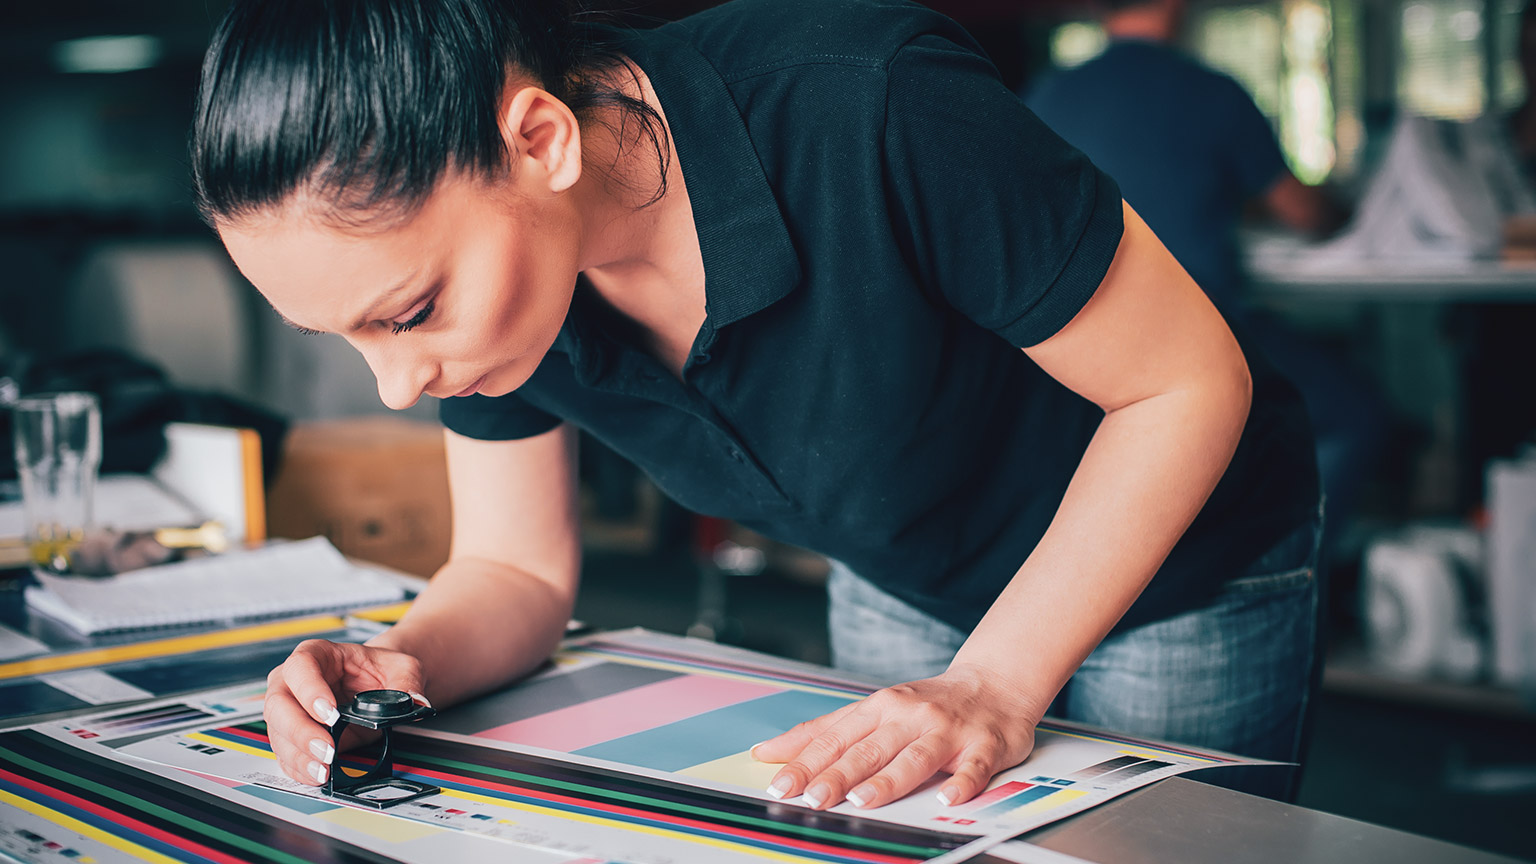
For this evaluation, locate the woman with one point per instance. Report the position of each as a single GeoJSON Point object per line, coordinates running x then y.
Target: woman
{"type": "Point", "coordinates": [812, 267]}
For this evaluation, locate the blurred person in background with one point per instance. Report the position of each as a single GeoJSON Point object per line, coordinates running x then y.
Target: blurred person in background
{"type": "Point", "coordinates": [1192, 152]}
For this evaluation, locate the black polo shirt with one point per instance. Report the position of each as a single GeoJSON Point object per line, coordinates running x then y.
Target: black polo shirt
{"type": "Point", "coordinates": [883, 227]}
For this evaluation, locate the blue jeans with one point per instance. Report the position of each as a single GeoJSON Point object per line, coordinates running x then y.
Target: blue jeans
{"type": "Point", "coordinates": [1235, 675]}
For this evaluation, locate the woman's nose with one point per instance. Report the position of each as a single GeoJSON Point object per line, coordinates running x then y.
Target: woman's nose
{"type": "Point", "coordinates": [402, 377]}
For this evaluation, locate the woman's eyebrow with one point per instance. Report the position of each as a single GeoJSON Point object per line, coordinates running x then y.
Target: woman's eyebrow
{"type": "Point", "coordinates": [299, 327]}
{"type": "Point", "coordinates": [367, 316]}
{"type": "Point", "coordinates": [382, 300]}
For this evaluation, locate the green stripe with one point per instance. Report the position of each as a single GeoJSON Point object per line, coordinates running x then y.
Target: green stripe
{"type": "Point", "coordinates": [154, 809]}
{"type": "Point", "coordinates": [817, 833]}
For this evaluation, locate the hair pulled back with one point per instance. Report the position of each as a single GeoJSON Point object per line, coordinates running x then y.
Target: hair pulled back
{"type": "Point", "coordinates": [368, 103]}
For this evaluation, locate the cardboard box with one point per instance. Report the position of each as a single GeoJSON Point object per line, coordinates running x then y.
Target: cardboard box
{"type": "Point", "coordinates": [376, 486]}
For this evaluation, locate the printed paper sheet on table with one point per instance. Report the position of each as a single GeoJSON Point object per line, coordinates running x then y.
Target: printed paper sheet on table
{"type": "Point", "coordinates": [631, 747]}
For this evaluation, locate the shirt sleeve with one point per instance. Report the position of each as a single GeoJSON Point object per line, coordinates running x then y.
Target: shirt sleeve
{"type": "Point", "coordinates": [495, 418]}
{"type": "Point", "coordinates": [1256, 158]}
{"type": "Point", "coordinates": [1015, 227]}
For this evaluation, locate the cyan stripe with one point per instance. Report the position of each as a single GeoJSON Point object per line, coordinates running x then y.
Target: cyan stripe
{"type": "Point", "coordinates": [715, 734]}
{"type": "Point", "coordinates": [1014, 802]}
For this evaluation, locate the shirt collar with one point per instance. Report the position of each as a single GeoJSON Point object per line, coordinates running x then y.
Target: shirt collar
{"type": "Point", "coordinates": [749, 259]}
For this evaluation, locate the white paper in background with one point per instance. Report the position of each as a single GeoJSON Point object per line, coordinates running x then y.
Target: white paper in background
{"type": "Point", "coordinates": [94, 686]}
{"type": "Point", "coordinates": [14, 645]}
{"type": "Point", "coordinates": [127, 502]}
{"type": "Point", "coordinates": [1439, 199]}
{"type": "Point", "coordinates": [279, 579]}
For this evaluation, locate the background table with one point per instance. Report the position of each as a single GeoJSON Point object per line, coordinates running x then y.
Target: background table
{"type": "Point", "coordinates": [1189, 822]}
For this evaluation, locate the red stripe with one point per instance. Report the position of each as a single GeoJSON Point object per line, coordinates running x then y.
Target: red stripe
{"type": "Point", "coordinates": [997, 794]}
{"type": "Point", "coordinates": [127, 822]}
{"type": "Point", "coordinates": [249, 736]}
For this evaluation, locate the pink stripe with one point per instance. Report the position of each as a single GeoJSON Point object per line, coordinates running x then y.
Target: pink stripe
{"type": "Point", "coordinates": [636, 710]}
{"type": "Point", "coordinates": [233, 784]}
{"type": "Point", "coordinates": [997, 794]}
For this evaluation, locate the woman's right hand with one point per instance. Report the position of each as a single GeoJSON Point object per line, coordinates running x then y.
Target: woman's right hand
{"type": "Point", "coordinates": [302, 695]}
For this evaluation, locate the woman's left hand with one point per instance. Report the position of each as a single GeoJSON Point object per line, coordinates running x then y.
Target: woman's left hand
{"type": "Point", "coordinates": [968, 722]}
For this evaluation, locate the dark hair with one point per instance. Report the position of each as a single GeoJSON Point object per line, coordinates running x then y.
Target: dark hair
{"type": "Point", "coordinates": [368, 103]}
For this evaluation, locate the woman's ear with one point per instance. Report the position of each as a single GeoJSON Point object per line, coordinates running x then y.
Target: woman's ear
{"type": "Point", "coordinates": [544, 139]}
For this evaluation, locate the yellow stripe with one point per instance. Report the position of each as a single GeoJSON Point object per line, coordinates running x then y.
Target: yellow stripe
{"type": "Point", "coordinates": [230, 745]}
{"type": "Point", "coordinates": [1148, 754]}
{"type": "Point", "coordinates": [739, 848]}
{"type": "Point", "coordinates": [715, 673]}
{"type": "Point", "coordinates": [167, 647]}
{"type": "Point", "coordinates": [384, 614]}
{"type": "Point", "coordinates": [70, 823]}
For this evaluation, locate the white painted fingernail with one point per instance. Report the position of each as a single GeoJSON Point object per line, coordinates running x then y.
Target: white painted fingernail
{"type": "Point", "coordinates": [944, 798]}
{"type": "Point", "coordinates": [317, 771]}
{"type": "Point", "coordinates": [815, 795]}
{"type": "Point", "coordinates": [753, 749]}
{"type": "Point", "coordinates": [326, 712]}
{"type": "Point", "coordinates": [858, 799]}
{"type": "Point", "coordinates": [323, 750]}
{"type": "Point", "coordinates": [420, 698]}
{"type": "Point", "coordinates": [780, 787]}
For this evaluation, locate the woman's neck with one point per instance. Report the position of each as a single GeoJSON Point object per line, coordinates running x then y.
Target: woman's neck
{"type": "Point", "coordinates": [642, 258]}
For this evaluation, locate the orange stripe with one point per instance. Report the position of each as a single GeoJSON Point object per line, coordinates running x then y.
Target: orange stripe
{"type": "Point", "coordinates": [255, 493]}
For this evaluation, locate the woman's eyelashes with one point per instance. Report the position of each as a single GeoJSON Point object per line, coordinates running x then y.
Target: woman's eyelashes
{"type": "Point", "coordinates": [416, 320]}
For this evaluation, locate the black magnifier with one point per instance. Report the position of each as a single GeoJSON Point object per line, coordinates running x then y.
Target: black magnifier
{"type": "Point", "coordinates": [378, 787]}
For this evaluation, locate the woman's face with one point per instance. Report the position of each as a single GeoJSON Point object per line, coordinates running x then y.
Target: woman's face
{"type": "Point", "coordinates": [465, 296]}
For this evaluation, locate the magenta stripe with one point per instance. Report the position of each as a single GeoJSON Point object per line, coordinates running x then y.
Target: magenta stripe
{"type": "Point", "coordinates": [634, 710]}
{"type": "Point", "coordinates": [997, 794]}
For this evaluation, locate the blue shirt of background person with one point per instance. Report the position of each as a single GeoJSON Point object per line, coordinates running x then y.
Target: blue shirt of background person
{"type": "Point", "coordinates": [1187, 145]}
{"type": "Point", "coordinates": [1191, 151]}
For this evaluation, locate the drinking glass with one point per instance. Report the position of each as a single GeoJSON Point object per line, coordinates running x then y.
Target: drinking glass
{"type": "Point", "coordinates": [58, 454]}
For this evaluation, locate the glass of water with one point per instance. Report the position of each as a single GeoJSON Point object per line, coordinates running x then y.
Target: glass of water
{"type": "Point", "coordinates": [58, 455]}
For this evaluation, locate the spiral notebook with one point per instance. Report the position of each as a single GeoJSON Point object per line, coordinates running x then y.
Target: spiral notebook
{"type": "Point", "coordinates": [270, 582]}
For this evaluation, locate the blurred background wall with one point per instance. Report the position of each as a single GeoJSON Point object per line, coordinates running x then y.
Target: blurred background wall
{"type": "Point", "coordinates": [92, 132]}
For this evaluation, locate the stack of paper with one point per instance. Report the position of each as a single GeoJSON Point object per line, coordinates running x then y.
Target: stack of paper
{"type": "Point", "coordinates": [286, 579]}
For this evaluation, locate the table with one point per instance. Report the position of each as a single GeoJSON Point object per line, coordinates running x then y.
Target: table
{"type": "Point", "coordinates": [1190, 822]}
{"type": "Point", "coordinates": [1273, 279]}
{"type": "Point", "coordinates": [1417, 326]}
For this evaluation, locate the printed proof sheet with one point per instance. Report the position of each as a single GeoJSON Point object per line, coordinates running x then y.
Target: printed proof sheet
{"type": "Point", "coordinates": [630, 747]}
